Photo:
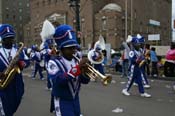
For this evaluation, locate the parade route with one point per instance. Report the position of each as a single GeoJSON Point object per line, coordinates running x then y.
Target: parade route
{"type": "Point", "coordinates": [99, 100]}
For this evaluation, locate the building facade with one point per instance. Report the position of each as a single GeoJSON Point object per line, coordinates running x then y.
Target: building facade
{"type": "Point", "coordinates": [16, 13]}
{"type": "Point", "coordinates": [113, 19]}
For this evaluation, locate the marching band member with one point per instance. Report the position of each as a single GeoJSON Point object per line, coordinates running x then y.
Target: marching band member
{"type": "Point", "coordinates": [97, 55]}
{"type": "Point", "coordinates": [47, 53]}
{"type": "Point", "coordinates": [141, 40]}
{"type": "Point", "coordinates": [11, 95]}
{"type": "Point", "coordinates": [135, 72]}
{"type": "Point", "coordinates": [36, 57]}
{"type": "Point", "coordinates": [67, 73]}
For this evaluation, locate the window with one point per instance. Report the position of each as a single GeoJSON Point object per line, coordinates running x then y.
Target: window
{"type": "Point", "coordinates": [20, 4]}
{"type": "Point", "coordinates": [135, 14]}
{"type": "Point", "coordinates": [7, 16]}
{"type": "Point", "coordinates": [20, 10]}
{"type": "Point", "coordinates": [49, 1]}
{"type": "Point", "coordinates": [37, 4]}
{"type": "Point", "coordinates": [28, 4]}
{"type": "Point", "coordinates": [20, 18]}
{"type": "Point", "coordinates": [43, 2]}
{"type": "Point", "coordinates": [14, 17]}
{"type": "Point", "coordinates": [7, 8]}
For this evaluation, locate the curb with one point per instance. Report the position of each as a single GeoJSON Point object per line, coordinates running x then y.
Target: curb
{"type": "Point", "coordinates": [162, 78]}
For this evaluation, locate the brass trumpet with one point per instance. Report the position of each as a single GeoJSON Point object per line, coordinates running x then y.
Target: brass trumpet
{"type": "Point", "coordinates": [92, 73]}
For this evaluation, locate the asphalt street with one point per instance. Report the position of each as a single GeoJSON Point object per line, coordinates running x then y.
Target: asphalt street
{"type": "Point", "coordinates": [99, 100]}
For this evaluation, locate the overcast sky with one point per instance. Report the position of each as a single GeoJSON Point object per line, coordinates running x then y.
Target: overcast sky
{"type": "Point", "coordinates": [173, 9]}
{"type": "Point", "coordinates": [173, 17]}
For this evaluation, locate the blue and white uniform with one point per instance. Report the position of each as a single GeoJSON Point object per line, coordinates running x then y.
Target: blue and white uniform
{"type": "Point", "coordinates": [136, 58]}
{"type": "Point", "coordinates": [65, 86]}
{"type": "Point", "coordinates": [11, 96]}
{"type": "Point", "coordinates": [99, 66]}
{"type": "Point", "coordinates": [36, 57]}
{"type": "Point", "coordinates": [135, 71]}
{"type": "Point", "coordinates": [66, 74]}
{"type": "Point", "coordinates": [142, 68]}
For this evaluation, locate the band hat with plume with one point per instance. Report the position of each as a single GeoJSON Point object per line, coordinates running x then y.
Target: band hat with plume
{"type": "Point", "coordinates": [135, 40]}
{"type": "Point", "coordinates": [47, 32]}
{"type": "Point", "coordinates": [6, 31]}
{"type": "Point", "coordinates": [132, 39]}
{"type": "Point", "coordinates": [140, 38]}
{"type": "Point", "coordinates": [65, 36]}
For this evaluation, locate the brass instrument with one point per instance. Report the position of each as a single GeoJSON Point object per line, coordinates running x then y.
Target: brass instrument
{"type": "Point", "coordinates": [11, 70]}
{"type": "Point", "coordinates": [99, 60]}
{"type": "Point", "coordinates": [141, 63]}
{"type": "Point", "coordinates": [92, 73]}
{"type": "Point", "coordinates": [100, 43]}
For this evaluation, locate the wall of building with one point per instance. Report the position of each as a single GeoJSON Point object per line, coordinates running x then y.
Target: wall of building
{"type": "Point", "coordinates": [139, 14]}
{"type": "Point", "coordinates": [0, 11]}
{"type": "Point", "coordinates": [16, 13]}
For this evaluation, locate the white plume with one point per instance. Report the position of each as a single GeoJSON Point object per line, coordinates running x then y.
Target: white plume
{"type": "Point", "coordinates": [100, 42]}
{"type": "Point", "coordinates": [129, 39]}
{"type": "Point", "coordinates": [139, 36]}
{"type": "Point", "coordinates": [47, 30]}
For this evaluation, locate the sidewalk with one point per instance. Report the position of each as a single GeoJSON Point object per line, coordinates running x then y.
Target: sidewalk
{"type": "Point", "coordinates": [113, 72]}
{"type": "Point", "coordinates": [163, 78]}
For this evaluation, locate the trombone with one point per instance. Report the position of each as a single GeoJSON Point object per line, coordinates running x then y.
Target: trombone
{"type": "Point", "coordinates": [92, 73]}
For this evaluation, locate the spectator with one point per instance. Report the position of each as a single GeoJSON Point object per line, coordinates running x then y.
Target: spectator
{"type": "Point", "coordinates": [147, 58]}
{"type": "Point", "coordinates": [154, 61]}
{"type": "Point", "coordinates": [125, 59]}
{"type": "Point", "coordinates": [169, 66]}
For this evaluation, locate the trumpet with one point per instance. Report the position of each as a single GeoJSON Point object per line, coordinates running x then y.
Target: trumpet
{"type": "Point", "coordinates": [92, 73]}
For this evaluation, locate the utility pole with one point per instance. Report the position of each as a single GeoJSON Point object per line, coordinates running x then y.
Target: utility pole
{"type": "Point", "coordinates": [76, 5]}
{"type": "Point", "coordinates": [131, 17]}
{"type": "Point", "coordinates": [126, 19]}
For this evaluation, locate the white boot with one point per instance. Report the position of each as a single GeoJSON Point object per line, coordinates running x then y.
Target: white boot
{"type": "Point", "coordinates": [146, 86]}
{"type": "Point", "coordinates": [125, 92]}
{"type": "Point", "coordinates": [145, 95]}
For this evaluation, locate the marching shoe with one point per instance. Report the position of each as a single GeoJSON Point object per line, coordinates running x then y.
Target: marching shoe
{"type": "Point", "coordinates": [135, 84]}
{"type": "Point", "coordinates": [147, 86]}
{"type": "Point", "coordinates": [173, 87]}
{"type": "Point", "coordinates": [49, 89]}
{"type": "Point", "coordinates": [42, 79]}
{"type": "Point", "coordinates": [145, 95]}
{"type": "Point", "coordinates": [125, 92]}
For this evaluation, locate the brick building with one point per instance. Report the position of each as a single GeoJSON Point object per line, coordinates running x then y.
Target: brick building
{"type": "Point", "coordinates": [114, 19]}
{"type": "Point", "coordinates": [16, 13]}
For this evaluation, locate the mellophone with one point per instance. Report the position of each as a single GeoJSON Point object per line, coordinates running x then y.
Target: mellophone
{"type": "Point", "coordinates": [92, 73]}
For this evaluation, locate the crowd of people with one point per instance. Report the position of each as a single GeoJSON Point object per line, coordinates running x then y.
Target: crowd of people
{"type": "Point", "coordinates": [155, 66]}
{"type": "Point", "coordinates": [66, 68]}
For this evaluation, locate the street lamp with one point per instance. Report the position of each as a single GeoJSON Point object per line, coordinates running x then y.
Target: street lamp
{"type": "Point", "coordinates": [76, 5]}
